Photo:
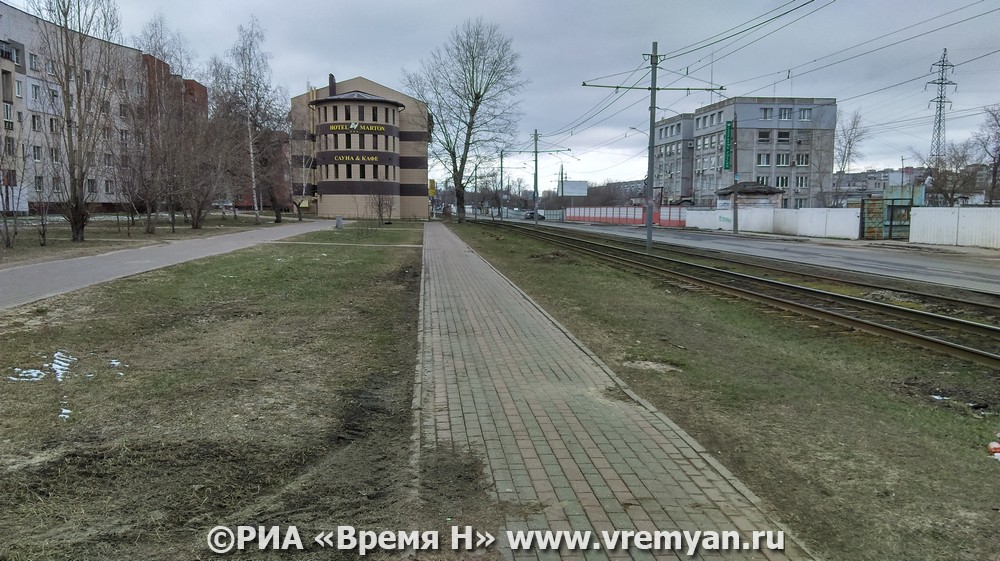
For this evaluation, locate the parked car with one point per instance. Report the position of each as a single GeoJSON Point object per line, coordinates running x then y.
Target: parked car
{"type": "Point", "coordinates": [530, 215]}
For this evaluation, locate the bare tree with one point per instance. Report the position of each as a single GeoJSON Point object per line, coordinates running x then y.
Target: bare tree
{"type": "Point", "coordinates": [262, 106]}
{"type": "Point", "coordinates": [850, 135]}
{"type": "Point", "coordinates": [988, 138]}
{"type": "Point", "coordinates": [381, 205]}
{"type": "Point", "coordinates": [78, 40]}
{"type": "Point", "coordinates": [302, 122]}
{"type": "Point", "coordinates": [17, 165]}
{"type": "Point", "coordinates": [471, 87]}
{"type": "Point", "coordinates": [956, 175]}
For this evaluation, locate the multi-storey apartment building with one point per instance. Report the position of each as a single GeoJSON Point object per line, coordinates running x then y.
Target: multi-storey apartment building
{"type": "Point", "coordinates": [781, 142]}
{"type": "Point", "coordinates": [34, 159]}
{"type": "Point", "coordinates": [355, 142]}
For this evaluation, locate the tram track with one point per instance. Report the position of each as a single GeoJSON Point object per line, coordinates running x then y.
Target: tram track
{"type": "Point", "coordinates": [955, 336]}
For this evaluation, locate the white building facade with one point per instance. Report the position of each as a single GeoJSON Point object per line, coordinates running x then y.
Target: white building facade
{"type": "Point", "coordinates": [780, 142]}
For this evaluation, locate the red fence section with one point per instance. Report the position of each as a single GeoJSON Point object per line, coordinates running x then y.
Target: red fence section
{"type": "Point", "coordinates": [669, 216]}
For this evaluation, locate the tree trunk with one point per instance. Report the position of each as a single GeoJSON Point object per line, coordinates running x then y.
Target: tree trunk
{"type": "Point", "coordinates": [460, 202]}
{"type": "Point", "coordinates": [274, 205]}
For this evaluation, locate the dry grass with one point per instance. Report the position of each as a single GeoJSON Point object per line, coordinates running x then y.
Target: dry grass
{"type": "Point", "coordinates": [267, 386]}
{"type": "Point", "coordinates": [835, 430]}
{"type": "Point", "coordinates": [109, 233]}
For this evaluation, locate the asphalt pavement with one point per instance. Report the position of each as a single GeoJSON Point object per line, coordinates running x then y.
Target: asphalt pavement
{"type": "Point", "coordinates": [27, 283]}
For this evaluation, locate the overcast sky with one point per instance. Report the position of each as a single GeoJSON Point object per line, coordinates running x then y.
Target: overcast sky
{"type": "Point", "coordinates": [565, 42]}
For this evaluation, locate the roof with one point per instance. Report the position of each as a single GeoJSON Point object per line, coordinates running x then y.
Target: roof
{"type": "Point", "coordinates": [358, 96]}
{"type": "Point", "coordinates": [749, 188]}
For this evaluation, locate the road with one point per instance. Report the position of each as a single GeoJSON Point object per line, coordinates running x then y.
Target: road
{"type": "Point", "coordinates": [971, 268]}
{"type": "Point", "coordinates": [28, 283]}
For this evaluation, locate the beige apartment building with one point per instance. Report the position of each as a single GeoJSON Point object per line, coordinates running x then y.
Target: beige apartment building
{"type": "Point", "coordinates": [357, 144]}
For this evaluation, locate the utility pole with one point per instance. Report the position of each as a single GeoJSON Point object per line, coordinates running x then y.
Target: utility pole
{"type": "Point", "coordinates": [736, 176]}
{"type": "Point", "coordinates": [500, 187]}
{"type": "Point", "coordinates": [654, 60]}
{"type": "Point", "coordinates": [902, 179]}
{"type": "Point", "coordinates": [536, 151]}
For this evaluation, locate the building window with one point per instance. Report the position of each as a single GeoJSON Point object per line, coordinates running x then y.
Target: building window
{"type": "Point", "coordinates": [784, 136]}
{"type": "Point", "coordinates": [18, 88]}
{"type": "Point", "coordinates": [36, 92]}
{"type": "Point", "coordinates": [785, 114]}
{"type": "Point", "coordinates": [361, 172]}
{"type": "Point", "coordinates": [763, 179]}
{"type": "Point", "coordinates": [54, 94]}
{"type": "Point", "coordinates": [108, 186]}
{"type": "Point", "coordinates": [781, 181]}
{"type": "Point", "coordinates": [56, 184]}
{"type": "Point", "coordinates": [347, 112]}
{"type": "Point", "coordinates": [763, 136]}
{"type": "Point", "coordinates": [54, 153]}
{"type": "Point", "coordinates": [106, 106]}
{"type": "Point", "coordinates": [805, 114]}
{"type": "Point", "coordinates": [9, 146]}
{"type": "Point", "coordinates": [125, 160]}
{"type": "Point", "coordinates": [386, 115]}
{"type": "Point", "coordinates": [39, 183]}
{"type": "Point", "coordinates": [91, 185]}
{"type": "Point", "coordinates": [33, 62]}
{"type": "Point", "coordinates": [123, 137]}
{"type": "Point", "coordinates": [349, 170]}
{"type": "Point", "coordinates": [802, 159]}
{"type": "Point", "coordinates": [802, 182]}
{"type": "Point", "coordinates": [53, 125]}
{"type": "Point", "coordinates": [712, 119]}
{"type": "Point", "coordinates": [50, 66]}
{"type": "Point", "coordinates": [36, 153]}
{"type": "Point", "coordinates": [781, 159]}
{"type": "Point", "coordinates": [109, 159]}
{"type": "Point", "coordinates": [335, 113]}
{"type": "Point", "coordinates": [800, 202]}
{"type": "Point", "coordinates": [86, 76]}
{"type": "Point", "coordinates": [122, 110]}
{"type": "Point", "coordinates": [766, 113]}
{"type": "Point", "coordinates": [763, 160]}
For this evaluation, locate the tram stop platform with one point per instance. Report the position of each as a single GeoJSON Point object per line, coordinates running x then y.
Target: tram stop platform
{"type": "Point", "coordinates": [499, 376]}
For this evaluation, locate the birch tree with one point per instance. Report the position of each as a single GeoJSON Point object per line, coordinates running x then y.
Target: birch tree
{"type": "Point", "coordinates": [261, 105]}
{"type": "Point", "coordinates": [471, 87]}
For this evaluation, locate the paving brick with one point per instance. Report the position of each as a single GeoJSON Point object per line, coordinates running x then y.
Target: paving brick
{"type": "Point", "coordinates": [498, 376]}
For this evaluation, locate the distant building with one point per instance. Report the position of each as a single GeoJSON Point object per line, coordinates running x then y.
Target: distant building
{"type": "Point", "coordinates": [357, 141]}
{"type": "Point", "coordinates": [34, 155]}
{"type": "Point", "coordinates": [781, 142]}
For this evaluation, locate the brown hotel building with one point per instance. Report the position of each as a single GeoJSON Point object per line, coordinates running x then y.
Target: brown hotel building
{"type": "Point", "coordinates": [355, 139]}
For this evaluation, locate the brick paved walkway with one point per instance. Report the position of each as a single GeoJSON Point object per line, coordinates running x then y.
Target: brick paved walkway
{"type": "Point", "coordinates": [499, 376]}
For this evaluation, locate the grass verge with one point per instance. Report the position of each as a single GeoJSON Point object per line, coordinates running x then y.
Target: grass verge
{"type": "Point", "coordinates": [836, 430]}
{"type": "Point", "coordinates": [270, 386]}
{"type": "Point", "coordinates": [108, 233]}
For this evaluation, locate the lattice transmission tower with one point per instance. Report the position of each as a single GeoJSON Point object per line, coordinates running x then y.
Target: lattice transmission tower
{"type": "Point", "coordinates": [942, 82]}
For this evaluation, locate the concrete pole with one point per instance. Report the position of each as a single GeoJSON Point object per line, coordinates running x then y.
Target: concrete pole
{"type": "Point", "coordinates": [653, 60]}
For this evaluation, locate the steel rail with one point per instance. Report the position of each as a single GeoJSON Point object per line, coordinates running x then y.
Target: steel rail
{"type": "Point", "coordinates": [953, 349]}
